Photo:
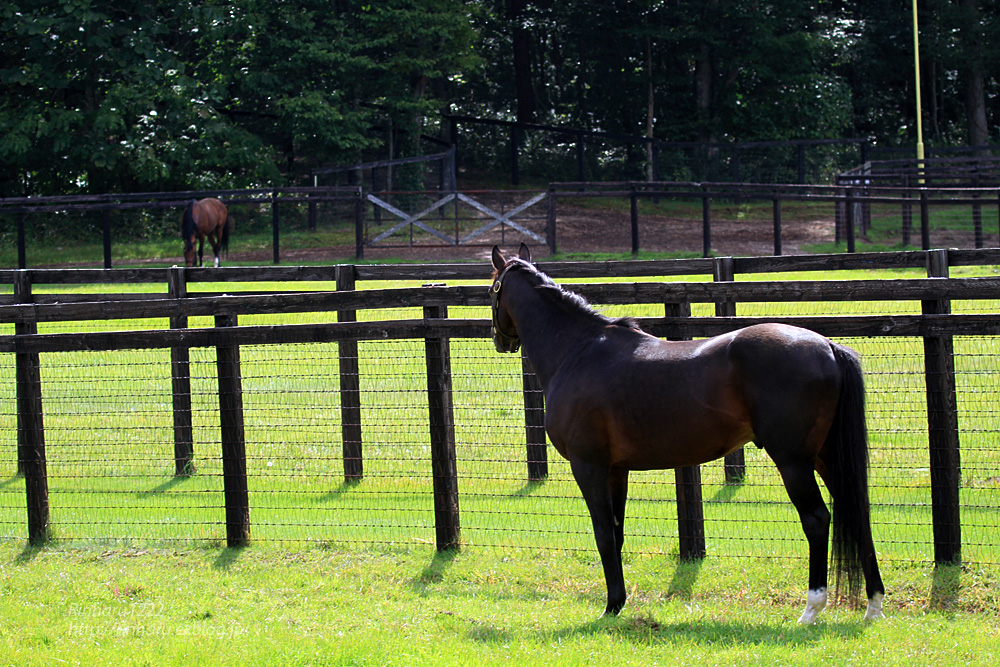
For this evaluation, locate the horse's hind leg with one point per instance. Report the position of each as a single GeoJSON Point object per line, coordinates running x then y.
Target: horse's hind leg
{"type": "Point", "coordinates": [596, 484]}
{"type": "Point", "coordinates": [803, 490]}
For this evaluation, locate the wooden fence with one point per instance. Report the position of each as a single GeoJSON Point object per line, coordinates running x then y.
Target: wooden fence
{"type": "Point", "coordinates": [852, 199]}
{"type": "Point", "coordinates": [276, 198]}
{"type": "Point", "coordinates": [27, 307]}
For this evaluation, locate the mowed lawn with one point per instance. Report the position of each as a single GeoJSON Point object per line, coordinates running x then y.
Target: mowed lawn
{"type": "Point", "coordinates": [264, 605]}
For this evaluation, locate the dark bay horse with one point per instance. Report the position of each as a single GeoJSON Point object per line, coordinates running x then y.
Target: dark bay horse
{"type": "Point", "coordinates": [618, 399]}
{"type": "Point", "coordinates": [205, 218]}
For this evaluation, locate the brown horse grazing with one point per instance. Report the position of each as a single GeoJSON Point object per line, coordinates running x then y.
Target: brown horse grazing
{"type": "Point", "coordinates": [205, 218]}
{"type": "Point", "coordinates": [618, 399]}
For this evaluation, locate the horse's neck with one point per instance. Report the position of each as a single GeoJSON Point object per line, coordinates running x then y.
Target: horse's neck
{"type": "Point", "coordinates": [551, 332]}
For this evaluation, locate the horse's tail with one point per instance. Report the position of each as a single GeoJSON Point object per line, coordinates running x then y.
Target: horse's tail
{"type": "Point", "coordinates": [847, 476]}
{"type": "Point", "coordinates": [227, 229]}
{"type": "Point", "coordinates": [188, 227]}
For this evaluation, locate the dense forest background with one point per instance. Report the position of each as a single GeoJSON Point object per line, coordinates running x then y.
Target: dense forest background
{"type": "Point", "coordinates": [127, 95]}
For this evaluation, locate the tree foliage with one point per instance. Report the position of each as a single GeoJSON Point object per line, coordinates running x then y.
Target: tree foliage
{"type": "Point", "coordinates": [102, 95]}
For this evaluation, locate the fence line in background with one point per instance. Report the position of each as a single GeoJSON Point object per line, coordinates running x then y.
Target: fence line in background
{"type": "Point", "coordinates": [852, 198]}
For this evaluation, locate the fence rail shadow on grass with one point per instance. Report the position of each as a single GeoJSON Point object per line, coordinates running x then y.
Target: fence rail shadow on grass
{"type": "Point", "coordinates": [28, 307]}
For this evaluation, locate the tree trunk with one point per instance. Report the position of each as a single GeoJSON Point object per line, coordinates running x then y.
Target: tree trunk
{"type": "Point", "coordinates": [975, 96]}
{"type": "Point", "coordinates": [649, 109]}
{"type": "Point", "coordinates": [703, 76]}
{"type": "Point", "coordinates": [523, 85]}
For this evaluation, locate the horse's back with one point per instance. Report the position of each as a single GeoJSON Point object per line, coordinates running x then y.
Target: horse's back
{"type": "Point", "coordinates": [210, 213]}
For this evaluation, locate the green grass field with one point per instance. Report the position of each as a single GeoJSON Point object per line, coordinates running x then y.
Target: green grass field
{"type": "Point", "coordinates": [407, 606]}
{"type": "Point", "coordinates": [346, 574]}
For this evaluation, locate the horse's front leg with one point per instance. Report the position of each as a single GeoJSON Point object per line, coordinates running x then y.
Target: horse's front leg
{"type": "Point", "coordinates": [597, 484]}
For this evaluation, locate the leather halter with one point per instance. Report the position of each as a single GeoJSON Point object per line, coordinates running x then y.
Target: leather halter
{"type": "Point", "coordinates": [513, 341]}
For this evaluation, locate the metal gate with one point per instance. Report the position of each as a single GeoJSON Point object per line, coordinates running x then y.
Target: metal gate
{"type": "Point", "coordinates": [460, 219]}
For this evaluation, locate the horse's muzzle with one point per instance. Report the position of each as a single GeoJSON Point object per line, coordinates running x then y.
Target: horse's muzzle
{"type": "Point", "coordinates": [506, 343]}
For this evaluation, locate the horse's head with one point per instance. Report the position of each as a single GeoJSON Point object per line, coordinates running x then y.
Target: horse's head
{"type": "Point", "coordinates": [505, 335]}
{"type": "Point", "coordinates": [189, 252]}
{"type": "Point", "coordinates": [188, 231]}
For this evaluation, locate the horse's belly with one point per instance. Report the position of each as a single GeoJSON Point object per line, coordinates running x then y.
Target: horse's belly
{"type": "Point", "coordinates": [680, 447]}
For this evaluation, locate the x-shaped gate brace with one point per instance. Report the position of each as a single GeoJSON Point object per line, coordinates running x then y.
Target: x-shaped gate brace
{"type": "Point", "coordinates": [497, 218]}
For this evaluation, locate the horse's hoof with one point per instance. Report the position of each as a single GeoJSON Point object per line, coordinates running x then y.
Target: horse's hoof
{"type": "Point", "coordinates": [613, 609]}
{"type": "Point", "coordinates": [874, 611]}
{"type": "Point", "coordinates": [815, 602]}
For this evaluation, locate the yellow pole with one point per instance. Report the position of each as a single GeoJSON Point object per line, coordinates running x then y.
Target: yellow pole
{"type": "Point", "coordinates": [916, 63]}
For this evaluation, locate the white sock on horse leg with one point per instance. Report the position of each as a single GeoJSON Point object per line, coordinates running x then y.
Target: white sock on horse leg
{"type": "Point", "coordinates": [815, 602]}
{"type": "Point", "coordinates": [875, 608]}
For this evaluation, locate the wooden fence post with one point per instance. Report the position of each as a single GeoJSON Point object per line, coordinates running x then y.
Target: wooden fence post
{"type": "Point", "coordinates": [534, 422]}
{"type": "Point", "coordinates": [776, 208]}
{"type": "Point", "coordinates": [234, 457]}
{"type": "Point", "coordinates": [849, 219]}
{"type": "Point", "coordinates": [925, 221]}
{"type": "Point", "coordinates": [977, 216]}
{"type": "Point", "coordinates": [350, 387]}
{"type": "Point", "coordinates": [550, 224]}
{"type": "Point", "coordinates": [706, 223]}
{"type": "Point", "coordinates": [942, 423]}
{"type": "Point", "coordinates": [734, 465]}
{"type": "Point", "coordinates": [690, 509]}
{"type": "Point", "coordinates": [359, 225]}
{"type": "Point", "coordinates": [180, 372]}
{"type": "Point", "coordinates": [634, 218]}
{"type": "Point", "coordinates": [312, 212]}
{"type": "Point", "coordinates": [907, 212]}
{"type": "Point", "coordinates": [274, 227]}
{"type": "Point", "coordinates": [30, 424]}
{"type": "Point", "coordinates": [106, 233]}
{"type": "Point", "coordinates": [22, 255]}
{"type": "Point", "coordinates": [442, 431]}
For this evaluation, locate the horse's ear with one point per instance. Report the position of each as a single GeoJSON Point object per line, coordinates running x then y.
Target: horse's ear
{"type": "Point", "coordinates": [524, 252]}
{"type": "Point", "coordinates": [498, 261]}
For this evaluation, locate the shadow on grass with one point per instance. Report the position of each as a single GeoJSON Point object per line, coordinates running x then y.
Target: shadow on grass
{"type": "Point", "coordinates": [166, 486]}
{"type": "Point", "coordinates": [945, 587]}
{"type": "Point", "coordinates": [434, 572]}
{"type": "Point", "coordinates": [685, 577]}
{"type": "Point", "coordinates": [13, 479]}
{"type": "Point", "coordinates": [727, 492]}
{"type": "Point", "coordinates": [28, 554]}
{"type": "Point", "coordinates": [529, 488]}
{"type": "Point", "coordinates": [343, 488]}
{"type": "Point", "coordinates": [227, 558]}
{"type": "Point", "coordinates": [646, 630]}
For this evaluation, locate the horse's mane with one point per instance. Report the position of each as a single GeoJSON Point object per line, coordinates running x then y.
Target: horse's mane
{"type": "Point", "coordinates": [574, 301]}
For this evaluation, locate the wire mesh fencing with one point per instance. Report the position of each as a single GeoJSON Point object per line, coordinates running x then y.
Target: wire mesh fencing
{"type": "Point", "coordinates": [111, 462]}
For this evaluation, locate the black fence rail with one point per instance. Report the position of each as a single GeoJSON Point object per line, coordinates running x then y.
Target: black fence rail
{"type": "Point", "coordinates": [32, 306]}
